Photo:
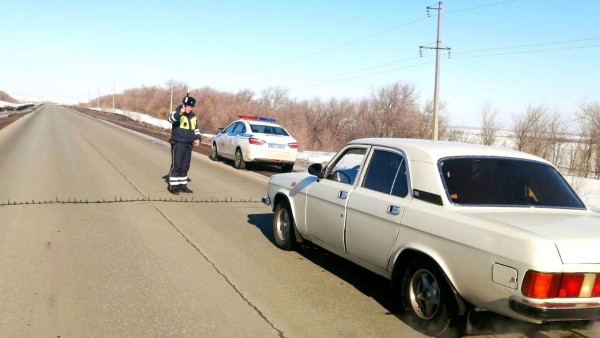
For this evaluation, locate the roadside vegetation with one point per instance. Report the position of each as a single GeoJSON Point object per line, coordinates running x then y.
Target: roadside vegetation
{"type": "Point", "coordinates": [572, 143]}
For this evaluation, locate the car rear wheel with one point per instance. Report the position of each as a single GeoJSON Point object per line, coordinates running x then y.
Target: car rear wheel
{"type": "Point", "coordinates": [214, 155]}
{"type": "Point", "coordinates": [239, 159]}
{"type": "Point", "coordinates": [287, 168]}
{"type": "Point", "coordinates": [283, 226]}
{"type": "Point", "coordinates": [428, 302]}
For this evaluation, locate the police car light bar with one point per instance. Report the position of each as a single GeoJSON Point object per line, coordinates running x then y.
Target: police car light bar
{"type": "Point", "coordinates": [256, 118]}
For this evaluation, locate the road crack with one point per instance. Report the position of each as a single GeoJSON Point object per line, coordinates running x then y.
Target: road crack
{"type": "Point", "coordinates": [217, 270]}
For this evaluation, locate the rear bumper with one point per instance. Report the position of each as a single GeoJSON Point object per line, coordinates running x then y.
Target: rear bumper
{"type": "Point", "coordinates": [272, 161]}
{"type": "Point", "coordinates": [556, 312]}
{"type": "Point", "coordinates": [254, 154]}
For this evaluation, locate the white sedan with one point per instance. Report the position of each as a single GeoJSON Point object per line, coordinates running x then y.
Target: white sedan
{"type": "Point", "coordinates": [253, 139]}
{"type": "Point", "coordinates": [455, 227]}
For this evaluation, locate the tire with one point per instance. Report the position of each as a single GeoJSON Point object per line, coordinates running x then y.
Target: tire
{"type": "Point", "coordinates": [283, 227]}
{"type": "Point", "coordinates": [287, 168]}
{"type": "Point", "coordinates": [214, 155]}
{"type": "Point", "coordinates": [427, 300]}
{"type": "Point", "coordinates": [239, 159]}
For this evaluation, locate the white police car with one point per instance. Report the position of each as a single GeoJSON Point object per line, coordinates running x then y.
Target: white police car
{"type": "Point", "coordinates": [253, 139]}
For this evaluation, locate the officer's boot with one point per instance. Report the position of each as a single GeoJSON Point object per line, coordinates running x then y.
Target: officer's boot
{"type": "Point", "coordinates": [173, 189]}
{"type": "Point", "coordinates": [184, 188]}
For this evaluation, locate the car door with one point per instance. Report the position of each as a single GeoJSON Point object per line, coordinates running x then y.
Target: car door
{"type": "Point", "coordinates": [238, 137]}
{"type": "Point", "coordinates": [224, 141]}
{"type": "Point", "coordinates": [326, 199]}
{"type": "Point", "coordinates": [375, 208]}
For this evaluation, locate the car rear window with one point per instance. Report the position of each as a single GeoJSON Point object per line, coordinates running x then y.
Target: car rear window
{"type": "Point", "coordinates": [261, 128]}
{"type": "Point", "coordinates": [506, 182]}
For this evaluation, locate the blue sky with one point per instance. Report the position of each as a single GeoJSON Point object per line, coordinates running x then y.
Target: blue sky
{"type": "Point", "coordinates": [506, 54]}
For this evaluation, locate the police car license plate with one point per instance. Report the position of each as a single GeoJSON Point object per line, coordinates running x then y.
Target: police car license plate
{"type": "Point", "coordinates": [277, 146]}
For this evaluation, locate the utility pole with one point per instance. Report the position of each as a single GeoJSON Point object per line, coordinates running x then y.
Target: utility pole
{"type": "Point", "coordinates": [113, 96]}
{"type": "Point", "coordinates": [98, 99]}
{"type": "Point", "coordinates": [436, 92]}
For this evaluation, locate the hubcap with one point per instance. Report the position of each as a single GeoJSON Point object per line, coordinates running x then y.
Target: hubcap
{"type": "Point", "coordinates": [424, 294]}
{"type": "Point", "coordinates": [283, 225]}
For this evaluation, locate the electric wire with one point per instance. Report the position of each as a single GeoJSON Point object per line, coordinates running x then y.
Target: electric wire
{"type": "Point", "coordinates": [453, 57]}
{"type": "Point", "coordinates": [351, 42]}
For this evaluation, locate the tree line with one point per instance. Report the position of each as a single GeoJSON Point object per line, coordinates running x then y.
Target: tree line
{"type": "Point", "coordinates": [389, 111]}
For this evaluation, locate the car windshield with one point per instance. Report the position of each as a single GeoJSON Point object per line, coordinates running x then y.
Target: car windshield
{"type": "Point", "coordinates": [506, 182]}
{"type": "Point", "coordinates": [264, 129]}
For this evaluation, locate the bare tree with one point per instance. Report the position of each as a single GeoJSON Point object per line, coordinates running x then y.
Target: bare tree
{"type": "Point", "coordinates": [589, 122]}
{"type": "Point", "coordinates": [530, 130]}
{"type": "Point", "coordinates": [489, 125]}
{"type": "Point", "coordinates": [445, 132]}
{"type": "Point", "coordinates": [557, 130]}
{"type": "Point", "coordinates": [395, 112]}
{"type": "Point", "coordinates": [274, 97]}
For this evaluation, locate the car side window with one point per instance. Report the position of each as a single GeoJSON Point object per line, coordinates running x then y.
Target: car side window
{"type": "Point", "coordinates": [346, 167]}
{"type": "Point", "coordinates": [239, 128]}
{"type": "Point", "coordinates": [387, 173]}
{"type": "Point", "coordinates": [229, 128]}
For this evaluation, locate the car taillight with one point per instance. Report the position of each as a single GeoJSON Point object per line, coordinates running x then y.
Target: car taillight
{"type": "Point", "coordinates": [540, 285]}
{"type": "Point", "coordinates": [596, 288]}
{"type": "Point", "coordinates": [570, 286]}
{"type": "Point", "coordinates": [253, 140]}
{"type": "Point", "coordinates": [293, 145]}
{"type": "Point", "coordinates": [560, 285]}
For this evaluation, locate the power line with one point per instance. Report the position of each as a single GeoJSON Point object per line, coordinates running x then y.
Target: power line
{"type": "Point", "coordinates": [332, 48]}
{"type": "Point", "coordinates": [357, 70]}
{"type": "Point", "coordinates": [479, 7]}
{"type": "Point", "coordinates": [453, 57]}
{"type": "Point", "coordinates": [525, 46]}
{"type": "Point", "coordinates": [527, 52]}
{"type": "Point", "coordinates": [323, 51]}
{"type": "Point", "coordinates": [362, 76]}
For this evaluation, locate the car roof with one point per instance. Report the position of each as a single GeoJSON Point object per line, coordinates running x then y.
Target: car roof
{"type": "Point", "coordinates": [431, 151]}
{"type": "Point", "coordinates": [262, 123]}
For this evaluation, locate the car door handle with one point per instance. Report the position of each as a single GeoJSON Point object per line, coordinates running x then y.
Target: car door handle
{"type": "Point", "coordinates": [393, 209]}
{"type": "Point", "coordinates": [342, 194]}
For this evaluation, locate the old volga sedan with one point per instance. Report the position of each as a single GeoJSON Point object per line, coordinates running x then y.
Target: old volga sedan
{"type": "Point", "coordinates": [454, 226]}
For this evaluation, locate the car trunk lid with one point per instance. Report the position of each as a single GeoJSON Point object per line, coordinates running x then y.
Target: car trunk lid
{"type": "Point", "coordinates": [576, 235]}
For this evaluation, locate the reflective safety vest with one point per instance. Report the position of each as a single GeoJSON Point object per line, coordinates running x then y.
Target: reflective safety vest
{"type": "Point", "coordinates": [185, 123]}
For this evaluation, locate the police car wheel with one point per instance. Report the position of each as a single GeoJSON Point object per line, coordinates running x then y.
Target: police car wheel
{"type": "Point", "coordinates": [214, 155]}
{"type": "Point", "coordinates": [239, 160]}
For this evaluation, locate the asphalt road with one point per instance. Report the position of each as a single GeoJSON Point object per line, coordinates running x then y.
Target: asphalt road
{"type": "Point", "coordinates": [92, 244]}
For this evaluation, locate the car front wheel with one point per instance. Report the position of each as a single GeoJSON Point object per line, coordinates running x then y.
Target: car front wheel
{"type": "Point", "coordinates": [283, 226]}
{"type": "Point", "coordinates": [214, 154]}
{"type": "Point", "coordinates": [428, 302]}
{"type": "Point", "coordinates": [239, 159]}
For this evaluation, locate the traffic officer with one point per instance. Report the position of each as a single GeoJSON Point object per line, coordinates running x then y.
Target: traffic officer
{"type": "Point", "coordinates": [184, 135]}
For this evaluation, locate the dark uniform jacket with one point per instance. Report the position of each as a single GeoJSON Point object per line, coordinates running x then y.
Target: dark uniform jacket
{"type": "Point", "coordinates": [184, 126]}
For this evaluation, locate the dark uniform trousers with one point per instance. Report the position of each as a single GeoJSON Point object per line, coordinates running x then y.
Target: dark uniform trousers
{"type": "Point", "coordinates": [181, 154]}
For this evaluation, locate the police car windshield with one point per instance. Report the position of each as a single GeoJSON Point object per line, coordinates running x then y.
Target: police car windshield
{"type": "Point", "coordinates": [261, 128]}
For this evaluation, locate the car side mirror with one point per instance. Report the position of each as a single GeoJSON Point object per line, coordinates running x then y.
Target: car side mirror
{"type": "Point", "coordinates": [315, 169]}
{"type": "Point", "coordinates": [219, 130]}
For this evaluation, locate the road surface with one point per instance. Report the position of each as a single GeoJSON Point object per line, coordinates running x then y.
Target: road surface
{"type": "Point", "coordinates": [92, 244]}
